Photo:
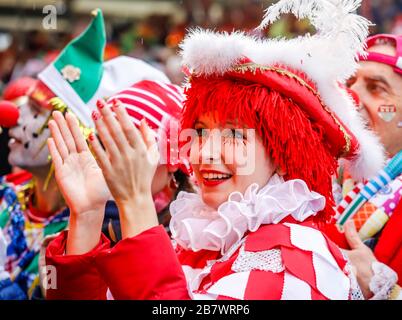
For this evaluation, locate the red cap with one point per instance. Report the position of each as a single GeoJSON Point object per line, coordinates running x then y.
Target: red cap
{"type": "Point", "coordinates": [393, 61]}
{"type": "Point", "coordinates": [18, 88]}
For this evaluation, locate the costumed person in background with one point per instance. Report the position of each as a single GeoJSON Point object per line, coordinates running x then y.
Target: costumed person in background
{"type": "Point", "coordinates": [24, 205]}
{"type": "Point", "coordinates": [252, 232]}
{"type": "Point", "coordinates": [31, 205]}
{"type": "Point", "coordinates": [12, 186]}
{"type": "Point", "coordinates": [375, 206]}
{"type": "Point", "coordinates": [14, 95]}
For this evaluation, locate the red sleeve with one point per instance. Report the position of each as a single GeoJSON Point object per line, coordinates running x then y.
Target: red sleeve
{"type": "Point", "coordinates": [144, 267]}
{"type": "Point", "coordinates": [77, 276]}
{"type": "Point", "coordinates": [389, 247]}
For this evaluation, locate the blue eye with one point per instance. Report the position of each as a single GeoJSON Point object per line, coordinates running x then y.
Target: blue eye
{"type": "Point", "coordinates": [235, 134]}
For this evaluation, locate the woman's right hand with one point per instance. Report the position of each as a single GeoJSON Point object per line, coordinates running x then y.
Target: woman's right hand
{"type": "Point", "coordinates": [80, 180]}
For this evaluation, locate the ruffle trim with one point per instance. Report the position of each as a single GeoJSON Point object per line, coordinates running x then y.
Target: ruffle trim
{"type": "Point", "coordinates": [196, 226]}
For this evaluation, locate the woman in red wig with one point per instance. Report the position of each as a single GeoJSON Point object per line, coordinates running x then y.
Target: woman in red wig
{"type": "Point", "coordinates": [264, 123]}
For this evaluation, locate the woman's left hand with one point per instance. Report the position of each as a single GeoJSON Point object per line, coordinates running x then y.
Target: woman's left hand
{"type": "Point", "coordinates": [128, 165]}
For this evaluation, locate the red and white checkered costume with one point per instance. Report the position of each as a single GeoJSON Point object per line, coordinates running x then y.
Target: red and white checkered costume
{"type": "Point", "coordinates": [279, 261]}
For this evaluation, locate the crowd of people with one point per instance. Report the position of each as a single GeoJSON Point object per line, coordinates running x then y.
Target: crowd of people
{"type": "Point", "coordinates": [273, 171]}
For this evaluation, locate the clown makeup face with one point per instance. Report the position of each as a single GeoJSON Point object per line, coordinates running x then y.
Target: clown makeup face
{"type": "Point", "coordinates": [218, 155]}
{"type": "Point", "coordinates": [380, 92]}
{"type": "Point", "coordinates": [28, 148]}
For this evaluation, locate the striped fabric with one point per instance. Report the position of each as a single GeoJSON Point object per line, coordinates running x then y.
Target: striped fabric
{"type": "Point", "coordinates": [155, 101]}
{"type": "Point", "coordinates": [347, 200]}
{"type": "Point", "coordinates": [161, 105]}
{"type": "Point", "coordinates": [308, 266]}
{"type": "Point", "coordinates": [376, 184]}
{"type": "Point", "coordinates": [372, 216]}
{"type": "Point", "coordinates": [391, 171]}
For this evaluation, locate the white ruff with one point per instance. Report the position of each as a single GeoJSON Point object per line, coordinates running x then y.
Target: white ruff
{"type": "Point", "coordinates": [196, 226]}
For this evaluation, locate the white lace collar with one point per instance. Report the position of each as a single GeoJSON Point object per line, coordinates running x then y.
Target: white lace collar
{"type": "Point", "coordinates": [196, 226]}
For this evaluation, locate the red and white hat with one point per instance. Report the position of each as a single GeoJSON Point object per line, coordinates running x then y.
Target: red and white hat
{"type": "Point", "coordinates": [160, 104]}
{"type": "Point", "coordinates": [302, 73]}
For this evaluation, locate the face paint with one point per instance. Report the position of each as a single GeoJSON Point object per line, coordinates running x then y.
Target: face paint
{"type": "Point", "coordinates": [387, 112]}
{"type": "Point", "coordinates": [27, 146]}
{"type": "Point", "coordinates": [400, 124]}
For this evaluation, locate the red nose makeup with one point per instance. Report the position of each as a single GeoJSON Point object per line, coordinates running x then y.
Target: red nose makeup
{"type": "Point", "coordinates": [9, 114]}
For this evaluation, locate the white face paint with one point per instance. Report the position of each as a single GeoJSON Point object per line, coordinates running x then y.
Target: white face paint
{"type": "Point", "coordinates": [28, 149]}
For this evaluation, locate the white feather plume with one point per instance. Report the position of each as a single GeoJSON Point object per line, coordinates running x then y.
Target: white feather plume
{"type": "Point", "coordinates": [335, 23]}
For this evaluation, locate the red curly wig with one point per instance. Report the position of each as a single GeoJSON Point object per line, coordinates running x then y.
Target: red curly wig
{"type": "Point", "coordinates": [293, 141]}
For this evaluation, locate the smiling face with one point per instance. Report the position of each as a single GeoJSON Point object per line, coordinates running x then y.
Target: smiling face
{"type": "Point", "coordinates": [220, 153]}
{"type": "Point", "coordinates": [281, 139]}
{"type": "Point", "coordinates": [380, 92]}
{"type": "Point", "coordinates": [28, 148]}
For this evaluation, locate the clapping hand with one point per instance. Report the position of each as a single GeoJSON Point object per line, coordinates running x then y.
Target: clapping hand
{"type": "Point", "coordinates": [128, 161]}
{"type": "Point", "coordinates": [80, 180]}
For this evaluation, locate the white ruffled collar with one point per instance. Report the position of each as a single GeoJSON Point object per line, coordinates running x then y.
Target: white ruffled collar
{"type": "Point", "coordinates": [196, 226]}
